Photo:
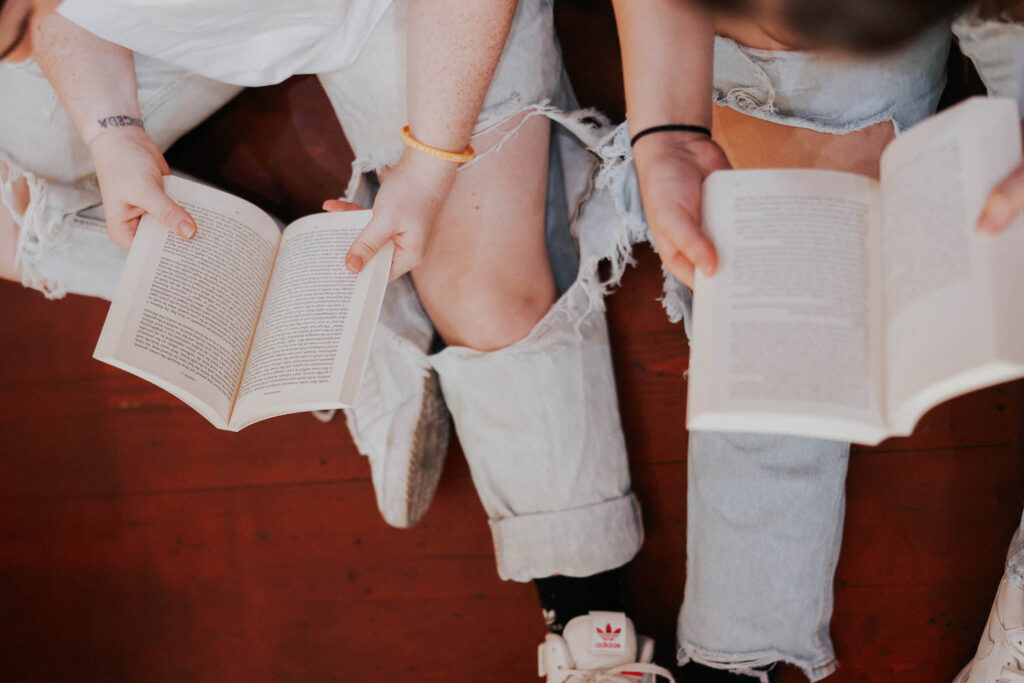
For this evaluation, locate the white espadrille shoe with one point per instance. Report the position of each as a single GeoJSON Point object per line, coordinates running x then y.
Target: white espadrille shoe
{"type": "Point", "coordinates": [400, 421]}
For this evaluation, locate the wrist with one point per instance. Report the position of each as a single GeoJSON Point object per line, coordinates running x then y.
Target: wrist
{"type": "Point", "coordinates": [668, 142]}
{"type": "Point", "coordinates": [654, 154]}
{"type": "Point", "coordinates": [113, 126]}
{"type": "Point", "coordinates": [679, 105]}
{"type": "Point", "coordinates": [703, 131]}
{"type": "Point", "coordinates": [437, 171]}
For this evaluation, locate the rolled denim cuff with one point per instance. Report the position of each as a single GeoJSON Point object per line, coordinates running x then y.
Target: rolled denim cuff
{"type": "Point", "coordinates": [997, 50]}
{"type": "Point", "coordinates": [577, 542]}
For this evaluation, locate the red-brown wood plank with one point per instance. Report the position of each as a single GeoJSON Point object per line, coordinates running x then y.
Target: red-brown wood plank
{"type": "Point", "coordinates": [138, 543]}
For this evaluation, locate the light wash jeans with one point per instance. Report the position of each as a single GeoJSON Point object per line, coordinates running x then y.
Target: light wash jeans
{"type": "Point", "coordinates": [538, 421]}
{"type": "Point", "coordinates": [765, 513]}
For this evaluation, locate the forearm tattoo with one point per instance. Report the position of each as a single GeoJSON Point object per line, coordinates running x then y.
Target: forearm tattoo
{"type": "Point", "coordinates": [119, 121]}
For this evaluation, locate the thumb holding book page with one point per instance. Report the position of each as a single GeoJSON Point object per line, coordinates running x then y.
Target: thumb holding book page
{"type": "Point", "coordinates": [1005, 202]}
{"type": "Point", "coordinates": [130, 171]}
{"type": "Point", "coordinates": [96, 82]}
{"type": "Point", "coordinates": [411, 195]}
{"type": "Point", "coordinates": [671, 168]}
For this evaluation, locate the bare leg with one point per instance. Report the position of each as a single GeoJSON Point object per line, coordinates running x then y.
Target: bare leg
{"type": "Point", "coordinates": [734, 537]}
{"type": "Point", "coordinates": [754, 143]}
{"type": "Point", "coordinates": [485, 280]}
{"type": "Point", "coordinates": [533, 401]}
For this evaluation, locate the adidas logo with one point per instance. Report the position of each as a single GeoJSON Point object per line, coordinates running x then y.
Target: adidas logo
{"type": "Point", "coordinates": [610, 638]}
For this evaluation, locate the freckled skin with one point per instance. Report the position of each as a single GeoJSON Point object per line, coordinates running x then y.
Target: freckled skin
{"type": "Point", "coordinates": [453, 49]}
{"type": "Point", "coordinates": [490, 245]}
{"type": "Point", "coordinates": [94, 78]}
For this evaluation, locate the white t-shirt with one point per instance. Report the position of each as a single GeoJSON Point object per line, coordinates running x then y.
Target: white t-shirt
{"type": "Point", "coordinates": [244, 42]}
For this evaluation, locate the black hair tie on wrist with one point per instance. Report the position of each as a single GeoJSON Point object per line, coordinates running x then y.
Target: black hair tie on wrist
{"type": "Point", "coordinates": [684, 127]}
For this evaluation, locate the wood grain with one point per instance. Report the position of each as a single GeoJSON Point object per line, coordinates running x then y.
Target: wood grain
{"type": "Point", "coordinates": [139, 544]}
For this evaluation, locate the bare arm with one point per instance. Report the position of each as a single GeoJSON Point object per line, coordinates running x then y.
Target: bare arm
{"type": "Point", "coordinates": [453, 50]}
{"type": "Point", "coordinates": [667, 50]}
{"type": "Point", "coordinates": [95, 80]}
{"type": "Point", "coordinates": [667, 59]}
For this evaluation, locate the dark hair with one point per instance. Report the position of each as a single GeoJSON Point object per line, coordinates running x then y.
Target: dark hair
{"type": "Point", "coordinates": [860, 25]}
{"type": "Point", "coordinates": [21, 31]}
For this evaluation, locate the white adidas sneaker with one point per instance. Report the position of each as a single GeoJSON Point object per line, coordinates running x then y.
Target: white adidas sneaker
{"type": "Point", "coordinates": [1000, 655]}
{"type": "Point", "coordinates": [601, 647]}
{"type": "Point", "coordinates": [400, 421]}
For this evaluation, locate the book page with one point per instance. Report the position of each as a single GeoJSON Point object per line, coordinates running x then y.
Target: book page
{"type": "Point", "coordinates": [940, 275]}
{"type": "Point", "coordinates": [185, 310]}
{"type": "Point", "coordinates": [786, 335]}
{"type": "Point", "coordinates": [311, 319]}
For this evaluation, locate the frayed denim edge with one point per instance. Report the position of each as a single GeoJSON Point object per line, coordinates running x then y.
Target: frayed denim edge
{"type": "Point", "coordinates": [772, 115]}
{"type": "Point", "coordinates": [592, 130]}
{"type": "Point", "coordinates": [37, 231]}
{"type": "Point", "coordinates": [748, 664]}
{"type": "Point", "coordinates": [617, 169]}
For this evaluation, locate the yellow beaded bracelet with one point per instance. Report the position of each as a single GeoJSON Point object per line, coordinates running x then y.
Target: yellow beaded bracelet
{"type": "Point", "coordinates": [457, 157]}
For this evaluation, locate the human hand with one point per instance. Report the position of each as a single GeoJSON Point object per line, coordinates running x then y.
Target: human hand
{"type": "Point", "coordinates": [1004, 203]}
{"type": "Point", "coordinates": [411, 195]}
{"type": "Point", "coordinates": [130, 169]}
{"type": "Point", "coordinates": [671, 167]}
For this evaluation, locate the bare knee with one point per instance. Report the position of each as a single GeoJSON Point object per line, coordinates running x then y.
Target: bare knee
{"type": "Point", "coordinates": [486, 278]}
{"type": "Point", "coordinates": [487, 313]}
{"type": "Point", "coordinates": [492, 319]}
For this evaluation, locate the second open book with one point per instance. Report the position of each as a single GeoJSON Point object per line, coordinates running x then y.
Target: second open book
{"type": "Point", "coordinates": [245, 322]}
{"type": "Point", "coordinates": [845, 308]}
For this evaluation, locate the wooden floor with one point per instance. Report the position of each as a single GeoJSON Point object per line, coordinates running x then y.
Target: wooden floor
{"type": "Point", "coordinates": [139, 544]}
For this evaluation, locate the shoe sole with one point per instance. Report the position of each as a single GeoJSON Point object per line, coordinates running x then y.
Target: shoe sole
{"type": "Point", "coordinates": [427, 455]}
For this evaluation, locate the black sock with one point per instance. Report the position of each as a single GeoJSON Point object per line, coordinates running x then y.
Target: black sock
{"type": "Point", "coordinates": [565, 597]}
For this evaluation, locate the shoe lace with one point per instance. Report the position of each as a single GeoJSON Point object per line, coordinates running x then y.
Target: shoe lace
{"type": "Point", "coordinates": [627, 673]}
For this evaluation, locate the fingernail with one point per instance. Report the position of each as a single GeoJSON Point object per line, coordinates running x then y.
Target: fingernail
{"type": "Point", "coordinates": [186, 229]}
{"type": "Point", "coordinates": [987, 226]}
{"type": "Point", "coordinates": [355, 263]}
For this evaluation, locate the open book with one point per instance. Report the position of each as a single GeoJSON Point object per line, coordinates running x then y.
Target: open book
{"type": "Point", "coordinates": [244, 322]}
{"type": "Point", "coordinates": [845, 308]}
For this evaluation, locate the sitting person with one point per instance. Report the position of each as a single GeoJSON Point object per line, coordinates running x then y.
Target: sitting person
{"type": "Point", "coordinates": [765, 513]}
{"type": "Point", "coordinates": [95, 91]}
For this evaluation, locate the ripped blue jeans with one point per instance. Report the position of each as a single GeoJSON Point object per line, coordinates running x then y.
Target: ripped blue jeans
{"type": "Point", "coordinates": [765, 513]}
{"type": "Point", "coordinates": [539, 420]}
